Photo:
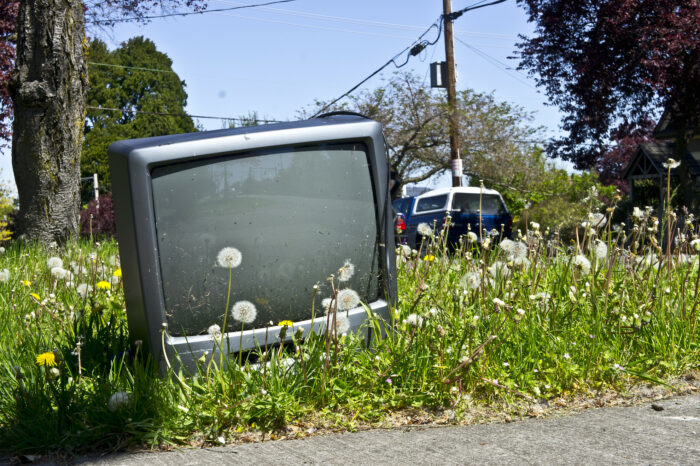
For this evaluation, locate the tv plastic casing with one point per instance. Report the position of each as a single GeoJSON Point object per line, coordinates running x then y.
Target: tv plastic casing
{"type": "Point", "coordinates": [131, 163]}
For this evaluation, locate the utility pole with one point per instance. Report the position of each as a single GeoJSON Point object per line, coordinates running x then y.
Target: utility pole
{"type": "Point", "coordinates": [452, 94]}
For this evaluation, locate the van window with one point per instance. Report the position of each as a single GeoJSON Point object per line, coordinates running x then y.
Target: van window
{"type": "Point", "coordinates": [468, 203]}
{"type": "Point", "coordinates": [431, 203]}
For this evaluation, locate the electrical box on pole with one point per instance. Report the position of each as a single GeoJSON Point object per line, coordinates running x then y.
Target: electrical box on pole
{"type": "Point", "coordinates": [438, 74]}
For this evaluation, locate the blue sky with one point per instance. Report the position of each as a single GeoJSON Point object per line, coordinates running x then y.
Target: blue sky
{"type": "Point", "coordinates": [277, 59]}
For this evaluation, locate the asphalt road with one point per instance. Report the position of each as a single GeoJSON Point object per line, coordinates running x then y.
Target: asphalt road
{"type": "Point", "coordinates": [667, 433]}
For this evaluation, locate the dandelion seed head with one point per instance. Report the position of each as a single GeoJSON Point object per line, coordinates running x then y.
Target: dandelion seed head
{"type": "Point", "coordinates": [498, 302]}
{"type": "Point", "coordinates": [670, 164]}
{"type": "Point", "coordinates": [52, 262]}
{"type": "Point", "coordinates": [471, 237]}
{"type": "Point", "coordinates": [601, 250]}
{"type": "Point", "coordinates": [471, 280]}
{"type": "Point", "coordinates": [83, 290]}
{"type": "Point", "coordinates": [348, 299]}
{"type": "Point", "coordinates": [214, 332]}
{"type": "Point", "coordinates": [346, 272]}
{"type": "Point", "coordinates": [4, 275]}
{"type": "Point", "coordinates": [342, 324]}
{"type": "Point", "coordinates": [229, 258]}
{"type": "Point", "coordinates": [582, 264]}
{"type": "Point", "coordinates": [414, 320]}
{"type": "Point", "coordinates": [326, 304]}
{"type": "Point", "coordinates": [244, 312]}
{"type": "Point", "coordinates": [519, 249]}
{"type": "Point", "coordinates": [118, 400]}
{"type": "Point", "coordinates": [59, 273]}
{"type": "Point", "coordinates": [424, 229]}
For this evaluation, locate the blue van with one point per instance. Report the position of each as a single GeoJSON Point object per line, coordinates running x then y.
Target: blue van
{"type": "Point", "coordinates": [462, 203]}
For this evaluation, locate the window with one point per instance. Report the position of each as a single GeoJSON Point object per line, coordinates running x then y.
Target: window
{"type": "Point", "coordinates": [431, 203]}
{"type": "Point", "coordinates": [468, 203]}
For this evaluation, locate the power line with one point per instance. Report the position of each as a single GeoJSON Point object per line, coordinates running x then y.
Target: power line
{"type": "Point", "coordinates": [497, 63]}
{"type": "Point", "coordinates": [188, 13]}
{"type": "Point", "coordinates": [414, 49]}
{"type": "Point", "coordinates": [121, 110]}
{"type": "Point", "coordinates": [367, 22]}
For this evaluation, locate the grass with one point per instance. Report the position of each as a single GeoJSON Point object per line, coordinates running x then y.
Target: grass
{"type": "Point", "coordinates": [521, 322]}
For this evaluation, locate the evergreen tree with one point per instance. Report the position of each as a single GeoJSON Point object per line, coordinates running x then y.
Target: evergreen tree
{"type": "Point", "coordinates": [134, 78]}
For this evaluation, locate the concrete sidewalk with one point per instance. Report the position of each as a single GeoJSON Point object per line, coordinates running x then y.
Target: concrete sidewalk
{"type": "Point", "coordinates": [667, 433]}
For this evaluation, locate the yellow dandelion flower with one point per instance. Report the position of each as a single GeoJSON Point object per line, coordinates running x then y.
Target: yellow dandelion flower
{"type": "Point", "coordinates": [429, 258]}
{"type": "Point", "coordinates": [46, 359]}
{"type": "Point", "coordinates": [36, 296]}
{"type": "Point", "coordinates": [118, 273]}
{"type": "Point", "coordinates": [26, 283]}
{"type": "Point", "coordinates": [103, 285]}
{"type": "Point", "coordinates": [286, 323]}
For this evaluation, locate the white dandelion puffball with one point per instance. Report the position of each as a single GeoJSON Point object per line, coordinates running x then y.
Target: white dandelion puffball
{"type": "Point", "coordinates": [600, 250]}
{"type": "Point", "coordinates": [214, 332]}
{"type": "Point", "coordinates": [507, 245]}
{"type": "Point", "coordinates": [348, 299]}
{"type": "Point", "coordinates": [414, 320]}
{"type": "Point", "coordinates": [471, 236]}
{"type": "Point", "coordinates": [695, 244]}
{"type": "Point", "coordinates": [229, 258]}
{"type": "Point", "coordinates": [83, 289]}
{"type": "Point", "coordinates": [2, 250]}
{"type": "Point", "coordinates": [346, 272]}
{"type": "Point", "coordinates": [472, 281]}
{"type": "Point", "coordinates": [405, 250]}
{"type": "Point", "coordinates": [519, 249]}
{"type": "Point", "coordinates": [326, 303]}
{"type": "Point", "coordinates": [118, 400]}
{"type": "Point", "coordinates": [4, 275]}
{"type": "Point", "coordinates": [671, 164]}
{"type": "Point", "coordinates": [424, 229]}
{"type": "Point", "coordinates": [52, 262]}
{"type": "Point", "coordinates": [595, 220]}
{"type": "Point", "coordinates": [583, 264]}
{"type": "Point", "coordinates": [342, 325]}
{"type": "Point", "coordinates": [59, 272]}
{"type": "Point", "coordinates": [244, 312]}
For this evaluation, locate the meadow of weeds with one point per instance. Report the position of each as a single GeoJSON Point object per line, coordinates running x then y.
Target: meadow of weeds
{"type": "Point", "coordinates": [521, 320]}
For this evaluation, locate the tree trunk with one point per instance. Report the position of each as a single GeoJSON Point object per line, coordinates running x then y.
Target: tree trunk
{"type": "Point", "coordinates": [49, 88]}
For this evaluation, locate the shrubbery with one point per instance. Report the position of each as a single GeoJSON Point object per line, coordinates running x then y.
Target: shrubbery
{"type": "Point", "coordinates": [98, 220]}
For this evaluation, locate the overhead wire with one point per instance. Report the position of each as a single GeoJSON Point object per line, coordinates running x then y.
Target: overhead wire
{"type": "Point", "coordinates": [414, 49]}
{"type": "Point", "coordinates": [142, 112]}
{"type": "Point", "coordinates": [497, 63]}
{"type": "Point", "coordinates": [183, 13]}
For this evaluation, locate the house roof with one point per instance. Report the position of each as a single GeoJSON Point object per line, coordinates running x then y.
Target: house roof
{"type": "Point", "coordinates": [649, 158]}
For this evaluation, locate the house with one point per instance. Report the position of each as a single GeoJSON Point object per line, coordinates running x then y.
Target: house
{"type": "Point", "coordinates": [646, 172]}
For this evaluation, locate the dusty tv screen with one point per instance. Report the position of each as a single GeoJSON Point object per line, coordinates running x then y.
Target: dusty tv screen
{"type": "Point", "coordinates": [296, 200]}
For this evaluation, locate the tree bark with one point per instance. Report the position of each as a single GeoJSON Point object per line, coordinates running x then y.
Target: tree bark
{"type": "Point", "coordinates": [48, 89]}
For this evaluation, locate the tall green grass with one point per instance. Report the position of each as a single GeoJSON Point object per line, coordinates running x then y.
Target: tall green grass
{"type": "Point", "coordinates": [512, 321]}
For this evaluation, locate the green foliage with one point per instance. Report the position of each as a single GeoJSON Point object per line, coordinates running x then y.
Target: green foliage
{"type": "Point", "coordinates": [7, 206]}
{"type": "Point", "coordinates": [515, 322]}
{"type": "Point", "coordinates": [129, 90]}
{"type": "Point", "coordinates": [416, 124]}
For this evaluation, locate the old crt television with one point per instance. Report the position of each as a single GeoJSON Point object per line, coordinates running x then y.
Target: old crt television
{"type": "Point", "coordinates": [296, 199]}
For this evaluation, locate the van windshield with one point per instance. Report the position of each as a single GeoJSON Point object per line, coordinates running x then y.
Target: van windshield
{"type": "Point", "coordinates": [468, 203]}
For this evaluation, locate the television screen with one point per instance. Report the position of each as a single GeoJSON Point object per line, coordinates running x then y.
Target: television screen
{"type": "Point", "coordinates": [296, 200]}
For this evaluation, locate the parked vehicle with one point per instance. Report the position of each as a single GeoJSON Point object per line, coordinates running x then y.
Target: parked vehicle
{"type": "Point", "coordinates": [463, 205]}
{"type": "Point", "coordinates": [402, 208]}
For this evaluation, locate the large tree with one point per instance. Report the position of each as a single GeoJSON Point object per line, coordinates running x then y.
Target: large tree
{"type": "Point", "coordinates": [138, 95]}
{"type": "Point", "coordinates": [48, 88]}
{"type": "Point", "coordinates": [611, 64]}
{"type": "Point", "coordinates": [415, 122]}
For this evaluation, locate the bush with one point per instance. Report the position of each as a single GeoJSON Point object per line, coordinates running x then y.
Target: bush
{"type": "Point", "coordinates": [96, 220]}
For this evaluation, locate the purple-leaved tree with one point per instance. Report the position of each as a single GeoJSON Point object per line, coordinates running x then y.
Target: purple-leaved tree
{"type": "Point", "coordinates": [614, 64]}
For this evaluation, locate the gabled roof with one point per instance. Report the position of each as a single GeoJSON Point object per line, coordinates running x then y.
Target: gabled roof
{"type": "Point", "coordinates": [650, 157]}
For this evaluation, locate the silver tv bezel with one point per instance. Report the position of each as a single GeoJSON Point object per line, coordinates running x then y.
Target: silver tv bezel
{"type": "Point", "coordinates": [131, 163]}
